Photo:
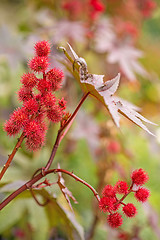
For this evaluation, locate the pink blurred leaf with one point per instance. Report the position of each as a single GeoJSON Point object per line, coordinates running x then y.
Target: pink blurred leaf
{"type": "Point", "coordinates": [86, 128]}
{"type": "Point", "coordinates": [11, 47]}
{"type": "Point", "coordinates": [73, 30]}
{"type": "Point", "coordinates": [104, 36]}
{"type": "Point", "coordinates": [152, 218]}
{"type": "Point", "coordinates": [127, 58]}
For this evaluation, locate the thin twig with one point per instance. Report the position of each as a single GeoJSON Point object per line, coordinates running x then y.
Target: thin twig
{"type": "Point", "coordinates": [37, 201]}
{"type": "Point", "coordinates": [61, 135]}
{"type": "Point", "coordinates": [11, 156]}
{"type": "Point", "coordinates": [77, 179]}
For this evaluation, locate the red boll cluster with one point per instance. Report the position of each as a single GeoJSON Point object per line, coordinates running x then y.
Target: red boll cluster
{"type": "Point", "coordinates": [146, 7]}
{"type": "Point", "coordinates": [93, 8]}
{"type": "Point", "coordinates": [38, 98]}
{"type": "Point", "coordinates": [111, 203]}
{"type": "Point", "coordinates": [97, 7]}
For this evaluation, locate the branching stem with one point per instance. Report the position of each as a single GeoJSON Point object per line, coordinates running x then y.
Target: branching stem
{"type": "Point", "coordinates": [77, 179]}
{"type": "Point", "coordinates": [36, 178]}
{"type": "Point", "coordinates": [45, 170]}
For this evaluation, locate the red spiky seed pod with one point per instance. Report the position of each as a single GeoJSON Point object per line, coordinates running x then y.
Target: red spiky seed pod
{"type": "Point", "coordinates": [142, 194]}
{"type": "Point", "coordinates": [129, 210]}
{"type": "Point", "coordinates": [108, 191]}
{"type": "Point", "coordinates": [121, 187]}
{"type": "Point", "coordinates": [35, 143]}
{"type": "Point", "coordinates": [42, 48]}
{"type": "Point", "coordinates": [139, 177]}
{"type": "Point", "coordinates": [38, 64]}
{"type": "Point", "coordinates": [31, 106]}
{"type": "Point", "coordinates": [29, 80]}
{"type": "Point", "coordinates": [56, 76]}
{"type": "Point", "coordinates": [108, 204]}
{"type": "Point", "coordinates": [48, 100]}
{"type": "Point", "coordinates": [24, 94]}
{"type": "Point", "coordinates": [104, 203]}
{"type": "Point", "coordinates": [16, 121]}
{"type": "Point", "coordinates": [32, 128]}
{"type": "Point", "coordinates": [115, 220]}
{"type": "Point", "coordinates": [55, 114]}
{"type": "Point", "coordinates": [35, 135]}
{"type": "Point", "coordinates": [44, 86]}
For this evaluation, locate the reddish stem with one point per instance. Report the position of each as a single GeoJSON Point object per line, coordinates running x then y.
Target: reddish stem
{"type": "Point", "coordinates": [20, 190]}
{"type": "Point", "coordinates": [59, 135]}
{"type": "Point", "coordinates": [11, 156]}
{"type": "Point", "coordinates": [37, 201]}
{"type": "Point", "coordinates": [44, 171]}
{"type": "Point", "coordinates": [36, 178]}
{"type": "Point", "coordinates": [125, 195]}
{"type": "Point", "coordinates": [77, 179]}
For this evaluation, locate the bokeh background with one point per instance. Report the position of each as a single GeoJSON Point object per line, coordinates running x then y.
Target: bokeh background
{"type": "Point", "coordinates": [113, 36]}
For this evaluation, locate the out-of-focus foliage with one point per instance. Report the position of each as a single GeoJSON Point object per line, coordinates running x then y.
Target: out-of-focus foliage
{"type": "Point", "coordinates": [119, 36]}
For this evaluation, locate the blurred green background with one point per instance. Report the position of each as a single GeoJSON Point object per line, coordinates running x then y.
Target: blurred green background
{"type": "Point", "coordinates": [94, 149]}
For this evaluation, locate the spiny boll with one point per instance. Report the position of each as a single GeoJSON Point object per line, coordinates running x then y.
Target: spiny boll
{"type": "Point", "coordinates": [108, 204]}
{"type": "Point", "coordinates": [42, 48]}
{"type": "Point", "coordinates": [139, 177]}
{"type": "Point", "coordinates": [48, 100]}
{"type": "Point", "coordinates": [55, 76]}
{"type": "Point", "coordinates": [44, 86]}
{"type": "Point", "coordinates": [31, 106]}
{"type": "Point", "coordinates": [111, 203]}
{"type": "Point", "coordinates": [29, 80]}
{"type": "Point", "coordinates": [142, 194]}
{"type": "Point", "coordinates": [35, 142]}
{"type": "Point", "coordinates": [129, 210]}
{"type": "Point", "coordinates": [38, 64]}
{"type": "Point", "coordinates": [55, 114]}
{"type": "Point", "coordinates": [115, 220]}
{"type": "Point", "coordinates": [121, 187]}
{"type": "Point", "coordinates": [109, 191]}
{"type": "Point", "coordinates": [24, 94]}
{"type": "Point", "coordinates": [38, 99]}
{"type": "Point", "coordinates": [16, 122]}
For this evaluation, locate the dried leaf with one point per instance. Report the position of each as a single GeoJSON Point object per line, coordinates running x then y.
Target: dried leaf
{"type": "Point", "coordinates": [106, 90]}
{"type": "Point", "coordinates": [67, 194]}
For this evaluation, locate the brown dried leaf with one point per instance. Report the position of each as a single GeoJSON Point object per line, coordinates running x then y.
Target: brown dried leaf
{"type": "Point", "coordinates": [106, 90]}
{"type": "Point", "coordinates": [67, 194]}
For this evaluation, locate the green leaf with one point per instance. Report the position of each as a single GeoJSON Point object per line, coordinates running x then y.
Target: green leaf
{"type": "Point", "coordinates": [58, 216]}
{"type": "Point", "coordinates": [38, 220]}
{"type": "Point", "coordinates": [11, 214]}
